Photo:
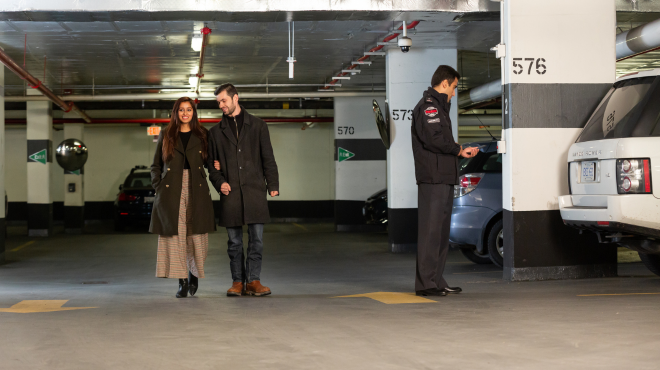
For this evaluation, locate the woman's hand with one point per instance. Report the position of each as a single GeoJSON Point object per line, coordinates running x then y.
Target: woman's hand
{"type": "Point", "coordinates": [216, 164]}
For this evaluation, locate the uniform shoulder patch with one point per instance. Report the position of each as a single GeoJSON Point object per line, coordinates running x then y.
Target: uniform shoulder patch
{"type": "Point", "coordinates": [429, 100]}
{"type": "Point", "coordinates": [434, 120]}
{"type": "Point", "coordinates": [431, 111]}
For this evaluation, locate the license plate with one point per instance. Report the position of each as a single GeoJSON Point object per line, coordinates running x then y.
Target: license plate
{"type": "Point", "coordinates": [588, 171]}
{"type": "Point", "coordinates": [149, 199]}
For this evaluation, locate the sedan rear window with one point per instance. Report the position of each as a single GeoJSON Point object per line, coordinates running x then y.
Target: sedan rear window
{"type": "Point", "coordinates": [138, 180]}
{"type": "Point", "coordinates": [630, 109]}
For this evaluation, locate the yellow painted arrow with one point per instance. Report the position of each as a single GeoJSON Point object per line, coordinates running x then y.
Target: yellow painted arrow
{"type": "Point", "coordinates": [391, 297]}
{"type": "Point", "coordinates": [41, 306]}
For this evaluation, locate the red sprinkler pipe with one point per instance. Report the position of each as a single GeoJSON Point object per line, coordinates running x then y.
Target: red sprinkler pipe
{"type": "Point", "coordinates": [22, 121]}
{"type": "Point", "coordinates": [36, 84]}
{"type": "Point", "coordinates": [205, 38]}
{"type": "Point", "coordinates": [376, 48]}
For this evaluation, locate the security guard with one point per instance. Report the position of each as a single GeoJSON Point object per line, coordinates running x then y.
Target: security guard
{"type": "Point", "coordinates": [436, 169]}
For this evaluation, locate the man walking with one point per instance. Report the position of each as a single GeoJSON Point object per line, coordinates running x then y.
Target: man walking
{"type": "Point", "coordinates": [436, 169]}
{"type": "Point", "coordinates": [241, 168]}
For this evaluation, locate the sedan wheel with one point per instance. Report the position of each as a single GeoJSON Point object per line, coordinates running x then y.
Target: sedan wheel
{"type": "Point", "coordinates": [496, 243]}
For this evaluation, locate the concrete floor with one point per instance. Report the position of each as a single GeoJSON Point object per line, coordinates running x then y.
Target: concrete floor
{"type": "Point", "coordinates": [137, 323]}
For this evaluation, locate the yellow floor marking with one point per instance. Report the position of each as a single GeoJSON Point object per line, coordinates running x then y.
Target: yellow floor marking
{"type": "Point", "coordinates": [595, 295]}
{"type": "Point", "coordinates": [22, 246]}
{"type": "Point", "coordinates": [476, 272]}
{"type": "Point", "coordinates": [391, 297]}
{"type": "Point", "coordinates": [300, 226]}
{"type": "Point", "coordinates": [41, 306]}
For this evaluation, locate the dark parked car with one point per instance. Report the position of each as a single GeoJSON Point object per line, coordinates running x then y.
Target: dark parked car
{"type": "Point", "coordinates": [476, 221]}
{"type": "Point", "coordinates": [375, 208]}
{"type": "Point", "coordinates": [135, 199]}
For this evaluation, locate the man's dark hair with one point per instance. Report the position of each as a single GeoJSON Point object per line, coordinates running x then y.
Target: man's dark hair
{"type": "Point", "coordinates": [443, 73]}
{"type": "Point", "coordinates": [229, 88]}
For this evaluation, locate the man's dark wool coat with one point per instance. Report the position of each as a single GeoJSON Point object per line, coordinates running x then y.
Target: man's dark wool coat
{"type": "Point", "coordinates": [248, 165]}
{"type": "Point", "coordinates": [167, 178]}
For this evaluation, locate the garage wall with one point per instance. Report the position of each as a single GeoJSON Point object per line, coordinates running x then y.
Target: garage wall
{"type": "Point", "coordinates": [305, 160]}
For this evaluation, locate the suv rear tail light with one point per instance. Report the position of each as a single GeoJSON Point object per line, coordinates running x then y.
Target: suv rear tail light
{"type": "Point", "coordinates": [633, 176]}
{"type": "Point", "coordinates": [123, 197]}
{"type": "Point", "coordinates": [467, 183]}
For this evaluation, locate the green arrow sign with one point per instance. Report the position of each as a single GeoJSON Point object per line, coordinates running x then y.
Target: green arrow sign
{"type": "Point", "coordinates": [344, 154]}
{"type": "Point", "coordinates": [39, 156]}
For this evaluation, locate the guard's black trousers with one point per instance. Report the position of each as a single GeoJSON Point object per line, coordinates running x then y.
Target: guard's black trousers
{"type": "Point", "coordinates": [434, 213]}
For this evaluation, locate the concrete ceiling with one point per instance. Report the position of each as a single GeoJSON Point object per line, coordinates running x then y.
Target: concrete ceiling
{"type": "Point", "coordinates": [130, 51]}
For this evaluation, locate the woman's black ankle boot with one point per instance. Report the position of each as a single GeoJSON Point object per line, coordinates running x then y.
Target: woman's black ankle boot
{"type": "Point", "coordinates": [193, 283]}
{"type": "Point", "coordinates": [183, 288]}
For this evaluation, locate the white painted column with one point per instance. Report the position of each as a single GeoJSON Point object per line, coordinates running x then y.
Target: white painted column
{"type": "Point", "coordinates": [3, 221]}
{"type": "Point", "coordinates": [39, 166]}
{"type": "Point", "coordinates": [408, 75]}
{"type": "Point", "coordinates": [74, 201]}
{"type": "Point", "coordinates": [552, 83]}
{"type": "Point", "coordinates": [360, 161]}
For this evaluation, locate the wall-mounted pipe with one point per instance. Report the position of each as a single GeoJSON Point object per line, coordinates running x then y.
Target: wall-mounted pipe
{"type": "Point", "coordinates": [22, 121]}
{"type": "Point", "coordinates": [202, 96]}
{"type": "Point", "coordinates": [636, 41]}
{"type": "Point", "coordinates": [36, 84]}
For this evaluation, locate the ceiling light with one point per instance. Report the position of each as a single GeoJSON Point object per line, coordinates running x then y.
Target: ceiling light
{"type": "Point", "coordinates": [197, 40]}
{"type": "Point", "coordinates": [291, 59]}
{"type": "Point", "coordinates": [192, 80]}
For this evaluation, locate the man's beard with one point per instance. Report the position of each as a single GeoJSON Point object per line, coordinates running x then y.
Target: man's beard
{"type": "Point", "coordinates": [230, 110]}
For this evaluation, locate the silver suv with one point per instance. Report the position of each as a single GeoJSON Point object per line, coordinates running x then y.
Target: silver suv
{"type": "Point", "coordinates": [612, 167]}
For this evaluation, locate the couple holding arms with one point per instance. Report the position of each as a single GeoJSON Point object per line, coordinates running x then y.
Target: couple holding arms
{"type": "Point", "coordinates": [239, 156]}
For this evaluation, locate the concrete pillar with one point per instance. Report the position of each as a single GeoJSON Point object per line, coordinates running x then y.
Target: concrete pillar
{"type": "Point", "coordinates": [360, 161]}
{"type": "Point", "coordinates": [39, 166]}
{"type": "Point", "coordinates": [3, 211]}
{"type": "Point", "coordinates": [559, 63]}
{"type": "Point", "coordinates": [408, 75]}
{"type": "Point", "coordinates": [74, 201]}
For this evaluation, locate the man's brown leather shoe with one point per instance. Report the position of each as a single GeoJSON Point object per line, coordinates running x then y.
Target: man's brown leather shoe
{"type": "Point", "coordinates": [236, 289]}
{"type": "Point", "coordinates": [256, 289]}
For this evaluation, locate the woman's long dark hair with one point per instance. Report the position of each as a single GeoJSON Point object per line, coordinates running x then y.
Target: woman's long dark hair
{"type": "Point", "coordinates": [171, 134]}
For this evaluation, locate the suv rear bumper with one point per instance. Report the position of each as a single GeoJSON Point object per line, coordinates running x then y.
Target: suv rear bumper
{"type": "Point", "coordinates": [637, 214]}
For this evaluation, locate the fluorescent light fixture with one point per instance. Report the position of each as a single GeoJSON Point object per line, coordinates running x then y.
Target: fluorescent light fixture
{"type": "Point", "coordinates": [197, 40]}
{"type": "Point", "coordinates": [192, 80]}
{"type": "Point", "coordinates": [361, 62]}
{"type": "Point", "coordinates": [341, 78]}
{"type": "Point", "coordinates": [377, 53]}
{"type": "Point", "coordinates": [351, 71]}
{"type": "Point", "coordinates": [290, 60]}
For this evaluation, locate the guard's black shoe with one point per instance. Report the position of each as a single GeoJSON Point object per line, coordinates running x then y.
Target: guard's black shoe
{"type": "Point", "coordinates": [431, 292]}
{"type": "Point", "coordinates": [450, 290]}
{"type": "Point", "coordinates": [183, 288]}
{"type": "Point", "coordinates": [193, 283]}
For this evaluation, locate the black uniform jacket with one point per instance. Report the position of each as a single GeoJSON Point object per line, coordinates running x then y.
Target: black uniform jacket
{"type": "Point", "coordinates": [434, 148]}
{"type": "Point", "coordinates": [248, 165]}
{"type": "Point", "coordinates": [167, 179]}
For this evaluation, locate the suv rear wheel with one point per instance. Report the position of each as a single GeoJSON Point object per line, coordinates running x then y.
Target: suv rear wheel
{"type": "Point", "coordinates": [496, 243]}
{"type": "Point", "coordinates": [651, 261]}
{"type": "Point", "coordinates": [474, 256]}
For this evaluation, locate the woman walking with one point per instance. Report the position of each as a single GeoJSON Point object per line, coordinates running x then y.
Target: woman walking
{"type": "Point", "coordinates": [182, 213]}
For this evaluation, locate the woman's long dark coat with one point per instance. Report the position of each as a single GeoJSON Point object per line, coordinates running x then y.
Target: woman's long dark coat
{"type": "Point", "coordinates": [167, 179]}
{"type": "Point", "coordinates": [248, 165]}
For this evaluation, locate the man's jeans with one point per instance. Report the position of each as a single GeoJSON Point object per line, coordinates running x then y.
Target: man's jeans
{"type": "Point", "coordinates": [245, 270]}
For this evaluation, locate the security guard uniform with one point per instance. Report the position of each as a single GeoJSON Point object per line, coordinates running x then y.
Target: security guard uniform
{"type": "Point", "coordinates": [436, 171]}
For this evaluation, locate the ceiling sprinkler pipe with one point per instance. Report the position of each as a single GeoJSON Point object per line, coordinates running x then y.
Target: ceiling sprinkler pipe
{"type": "Point", "coordinates": [200, 69]}
{"type": "Point", "coordinates": [36, 84]}
{"type": "Point", "coordinates": [22, 121]}
{"type": "Point", "coordinates": [202, 96]}
{"type": "Point", "coordinates": [631, 43]}
{"type": "Point", "coordinates": [374, 49]}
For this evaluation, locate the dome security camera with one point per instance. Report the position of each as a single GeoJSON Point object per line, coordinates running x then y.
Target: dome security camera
{"type": "Point", "coordinates": [405, 43]}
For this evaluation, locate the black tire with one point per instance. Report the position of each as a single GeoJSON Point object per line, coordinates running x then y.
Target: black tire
{"type": "Point", "coordinates": [651, 261]}
{"type": "Point", "coordinates": [495, 243]}
{"type": "Point", "coordinates": [474, 256]}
